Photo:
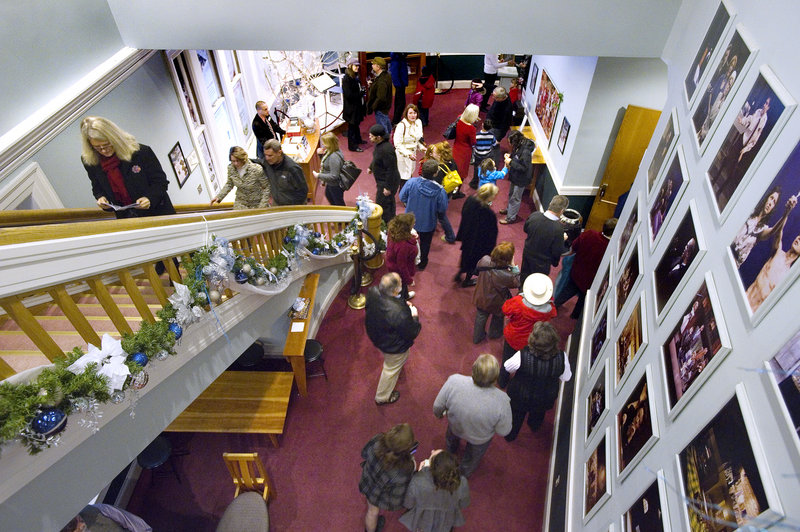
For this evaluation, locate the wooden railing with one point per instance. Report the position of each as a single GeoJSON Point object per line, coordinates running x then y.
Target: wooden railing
{"type": "Point", "coordinates": [53, 270]}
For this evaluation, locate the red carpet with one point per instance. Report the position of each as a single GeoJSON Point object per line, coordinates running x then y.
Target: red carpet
{"type": "Point", "coordinates": [316, 469]}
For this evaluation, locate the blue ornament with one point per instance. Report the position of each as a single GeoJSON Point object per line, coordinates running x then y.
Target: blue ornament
{"type": "Point", "coordinates": [176, 329]}
{"type": "Point", "coordinates": [286, 240]}
{"type": "Point", "coordinates": [140, 358]}
{"type": "Point", "coordinates": [315, 251]}
{"type": "Point", "coordinates": [340, 243]}
{"type": "Point", "coordinates": [317, 235]}
{"type": "Point", "coordinates": [241, 277]}
{"type": "Point", "coordinates": [49, 421]}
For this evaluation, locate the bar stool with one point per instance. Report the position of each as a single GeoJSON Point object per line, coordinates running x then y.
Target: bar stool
{"type": "Point", "coordinates": [155, 455]}
{"type": "Point", "coordinates": [313, 353]}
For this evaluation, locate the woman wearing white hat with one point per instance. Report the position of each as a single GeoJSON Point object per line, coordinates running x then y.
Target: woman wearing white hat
{"type": "Point", "coordinates": [523, 311]}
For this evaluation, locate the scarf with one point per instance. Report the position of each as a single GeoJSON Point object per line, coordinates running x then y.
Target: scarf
{"type": "Point", "coordinates": [110, 166]}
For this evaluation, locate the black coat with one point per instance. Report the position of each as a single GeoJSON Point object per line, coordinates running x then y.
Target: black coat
{"type": "Point", "coordinates": [520, 170]}
{"type": "Point", "coordinates": [353, 100]}
{"type": "Point", "coordinates": [384, 167]}
{"type": "Point", "coordinates": [544, 245]}
{"type": "Point", "coordinates": [287, 181]}
{"type": "Point", "coordinates": [501, 113]}
{"type": "Point", "coordinates": [143, 177]}
{"type": "Point", "coordinates": [477, 233]}
{"type": "Point", "coordinates": [263, 132]}
{"type": "Point", "coordinates": [389, 322]}
{"type": "Point", "coordinates": [380, 94]}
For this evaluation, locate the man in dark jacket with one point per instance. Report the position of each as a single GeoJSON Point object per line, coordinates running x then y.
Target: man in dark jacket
{"type": "Point", "coordinates": [264, 128]}
{"type": "Point", "coordinates": [500, 113]}
{"type": "Point", "coordinates": [398, 70]}
{"type": "Point", "coordinates": [379, 99]}
{"type": "Point", "coordinates": [392, 325]}
{"type": "Point", "coordinates": [546, 241]}
{"type": "Point", "coordinates": [286, 178]}
{"type": "Point", "coordinates": [520, 173]}
{"type": "Point", "coordinates": [384, 168]}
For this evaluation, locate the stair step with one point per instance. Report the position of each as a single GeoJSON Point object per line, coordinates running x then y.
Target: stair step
{"type": "Point", "coordinates": [20, 360]}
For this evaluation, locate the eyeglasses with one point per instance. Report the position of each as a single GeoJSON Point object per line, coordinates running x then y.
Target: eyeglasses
{"type": "Point", "coordinates": [103, 147]}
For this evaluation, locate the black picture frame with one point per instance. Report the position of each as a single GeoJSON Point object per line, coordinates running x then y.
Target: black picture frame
{"type": "Point", "coordinates": [179, 164]}
{"type": "Point", "coordinates": [563, 134]}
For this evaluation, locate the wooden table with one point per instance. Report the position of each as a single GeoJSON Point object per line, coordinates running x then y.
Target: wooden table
{"type": "Point", "coordinates": [296, 340]}
{"type": "Point", "coordinates": [241, 402]}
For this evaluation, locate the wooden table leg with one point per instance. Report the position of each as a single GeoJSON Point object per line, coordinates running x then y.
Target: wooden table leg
{"type": "Point", "coordinates": [299, 368]}
{"type": "Point", "coordinates": [274, 439]}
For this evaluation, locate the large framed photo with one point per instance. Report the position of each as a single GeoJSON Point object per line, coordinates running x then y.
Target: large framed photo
{"type": "Point", "coordinates": [597, 402]}
{"type": "Point", "coordinates": [705, 53]}
{"type": "Point", "coordinates": [599, 337]}
{"type": "Point", "coordinates": [724, 474]}
{"type": "Point", "coordinates": [630, 227]}
{"type": "Point", "coordinates": [682, 254]}
{"type": "Point", "coordinates": [671, 187]}
{"type": "Point", "coordinates": [547, 103]}
{"type": "Point", "coordinates": [636, 431]}
{"type": "Point", "coordinates": [645, 514]}
{"type": "Point", "coordinates": [179, 164]}
{"type": "Point", "coordinates": [596, 478]}
{"type": "Point", "coordinates": [669, 138]}
{"type": "Point", "coordinates": [631, 273]}
{"type": "Point", "coordinates": [757, 123]}
{"type": "Point", "coordinates": [784, 373]}
{"type": "Point", "coordinates": [721, 87]}
{"type": "Point", "coordinates": [602, 289]}
{"type": "Point", "coordinates": [765, 250]}
{"type": "Point", "coordinates": [631, 341]}
{"type": "Point", "coordinates": [695, 347]}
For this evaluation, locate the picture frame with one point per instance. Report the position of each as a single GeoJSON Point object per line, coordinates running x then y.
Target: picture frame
{"type": "Point", "coordinates": [669, 193]}
{"type": "Point", "coordinates": [637, 430]}
{"type": "Point", "coordinates": [179, 164]}
{"type": "Point", "coordinates": [760, 286]}
{"type": "Point", "coordinates": [680, 258]}
{"type": "Point", "coordinates": [563, 134]}
{"type": "Point", "coordinates": [663, 150]}
{"type": "Point", "coordinates": [597, 481]}
{"type": "Point", "coordinates": [707, 51]}
{"type": "Point", "coordinates": [534, 77]}
{"type": "Point", "coordinates": [547, 103]}
{"type": "Point", "coordinates": [760, 118]}
{"type": "Point", "coordinates": [629, 277]}
{"type": "Point", "coordinates": [597, 402]}
{"type": "Point", "coordinates": [631, 226]}
{"type": "Point", "coordinates": [727, 450]}
{"type": "Point", "coordinates": [722, 86]}
{"type": "Point", "coordinates": [631, 342]}
{"type": "Point", "coordinates": [783, 374]}
{"type": "Point", "coordinates": [695, 347]}
{"type": "Point", "coordinates": [599, 338]}
{"type": "Point", "coordinates": [602, 289]}
{"type": "Point", "coordinates": [647, 512]}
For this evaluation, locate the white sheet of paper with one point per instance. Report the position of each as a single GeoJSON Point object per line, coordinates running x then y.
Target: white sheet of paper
{"type": "Point", "coordinates": [298, 326]}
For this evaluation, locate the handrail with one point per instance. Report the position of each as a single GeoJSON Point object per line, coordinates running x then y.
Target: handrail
{"type": "Point", "coordinates": [57, 216]}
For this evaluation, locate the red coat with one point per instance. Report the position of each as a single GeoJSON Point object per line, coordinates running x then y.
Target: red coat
{"type": "Point", "coordinates": [521, 319]}
{"type": "Point", "coordinates": [401, 258]}
{"type": "Point", "coordinates": [427, 90]}
{"type": "Point", "coordinates": [589, 249]}
{"type": "Point", "coordinates": [462, 147]}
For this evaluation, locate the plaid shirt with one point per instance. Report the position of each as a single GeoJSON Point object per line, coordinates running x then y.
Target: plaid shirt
{"type": "Point", "coordinates": [384, 489]}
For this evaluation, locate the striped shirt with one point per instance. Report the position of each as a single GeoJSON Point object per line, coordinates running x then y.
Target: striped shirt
{"type": "Point", "coordinates": [484, 142]}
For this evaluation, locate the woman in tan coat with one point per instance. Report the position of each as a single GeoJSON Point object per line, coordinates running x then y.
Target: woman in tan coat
{"type": "Point", "coordinates": [252, 186]}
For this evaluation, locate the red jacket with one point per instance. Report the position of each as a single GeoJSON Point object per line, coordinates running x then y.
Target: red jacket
{"type": "Point", "coordinates": [589, 249]}
{"type": "Point", "coordinates": [401, 258]}
{"type": "Point", "coordinates": [427, 90]}
{"type": "Point", "coordinates": [521, 319]}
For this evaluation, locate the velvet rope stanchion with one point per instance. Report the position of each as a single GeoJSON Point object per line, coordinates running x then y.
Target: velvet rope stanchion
{"type": "Point", "coordinates": [374, 228]}
{"type": "Point", "coordinates": [357, 300]}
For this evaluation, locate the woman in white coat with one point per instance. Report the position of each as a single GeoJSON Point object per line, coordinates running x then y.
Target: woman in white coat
{"type": "Point", "coordinates": [407, 140]}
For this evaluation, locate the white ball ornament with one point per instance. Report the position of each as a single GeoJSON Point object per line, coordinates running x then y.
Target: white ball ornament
{"type": "Point", "coordinates": [214, 296]}
{"type": "Point", "coordinates": [247, 269]}
{"type": "Point", "coordinates": [260, 281]}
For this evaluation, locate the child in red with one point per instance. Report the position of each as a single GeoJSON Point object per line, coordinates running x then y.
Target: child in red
{"type": "Point", "coordinates": [401, 250]}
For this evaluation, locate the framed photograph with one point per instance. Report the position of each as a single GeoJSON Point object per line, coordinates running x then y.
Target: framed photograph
{"type": "Point", "coordinates": [636, 430]}
{"type": "Point", "coordinates": [671, 188]}
{"type": "Point", "coordinates": [599, 337]}
{"type": "Point", "coordinates": [705, 53]}
{"type": "Point", "coordinates": [534, 76]}
{"type": "Point", "coordinates": [765, 250]}
{"type": "Point", "coordinates": [721, 87]}
{"type": "Point", "coordinates": [562, 137]}
{"type": "Point", "coordinates": [628, 278]}
{"type": "Point", "coordinates": [645, 514]}
{"type": "Point", "coordinates": [724, 475]}
{"type": "Point", "coordinates": [695, 347]}
{"type": "Point", "coordinates": [784, 374]}
{"type": "Point", "coordinates": [632, 341]}
{"type": "Point", "coordinates": [669, 138]}
{"type": "Point", "coordinates": [596, 402]}
{"type": "Point", "coordinates": [754, 128]}
{"type": "Point", "coordinates": [630, 226]}
{"type": "Point", "coordinates": [179, 164]}
{"type": "Point", "coordinates": [596, 478]}
{"type": "Point", "coordinates": [547, 103]}
{"type": "Point", "coordinates": [601, 290]}
{"type": "Point", "coordinates": [682, 254]}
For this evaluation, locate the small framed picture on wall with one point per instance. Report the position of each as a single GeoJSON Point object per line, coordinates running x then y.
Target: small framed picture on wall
{"type": "Point", "coordinates": [672, 187]}
{"type": "Point", "coordinates": [705, 54]}
{"type": "Point", "coordinates": [631, 342]}
{"type": "Point", "coordinates": [669, 138]}
{"type": "Point", "coordinates": [636, 427]}
{"type": "Point", "coordinates": [179, 164]}
{"type": "Point", "coordinates": [562, 136]}
{"type": "Point", "coordinates": [646, 513]}
{"type": "Point", "coordinates": [783, 371]}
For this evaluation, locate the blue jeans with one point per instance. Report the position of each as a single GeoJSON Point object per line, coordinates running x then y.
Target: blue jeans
{"type": "Point", "coordinates": [514, 200]}
{"type": "Point", "coordinates": [449, 235]}
{"type": "Point", "coordinates": [383, 120]}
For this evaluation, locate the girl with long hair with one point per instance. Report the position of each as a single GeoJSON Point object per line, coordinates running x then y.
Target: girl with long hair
{"type": "Point", "coordinates": [437, 494]}
{"type": "Point", "coordinates": [407, 140]}
{"type": "Point", "coordinates": [402, 250]}
{"type": "Point", "coordinates": [331, 168]}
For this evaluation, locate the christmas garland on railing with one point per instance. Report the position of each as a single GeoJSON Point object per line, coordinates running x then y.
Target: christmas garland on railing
{"type": "Point", "coordinates": [36, 412]}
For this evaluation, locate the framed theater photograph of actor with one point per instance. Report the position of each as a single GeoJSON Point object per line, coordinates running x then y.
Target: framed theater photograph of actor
{"type": "Point", "coordinates": [705, 54]}
{"type": "Point", "coordinates": [765, 250]}
{"type": "Point", "coordinates": [636, 430]}
{"type": "Point", "coordinates": [783, 371]}
{"type": "Point", "coordinates": [562, 136]}
{"type": "Point", "coordinates": [645, 514]}
{"type": "Point", "coordinates": [721, 86]}
{"type": "Point", "coordinates": [630, 226]}
{"type": "Point", "coordinates": [695, 347]}
{"type": "Point", "coordinates": [599, 337]}
{"type": "Point", "coordinates": [596, 402]}
{"type": "Point", "coordinates": [596, 478]}
{"type": "Point", "coordinates": [629, 277]}
{"type": "Point", "coordinates": [669, 138]}
{"type": "Point", "coordinates": [754, 128]}
{"type": "Point", "coordinates": [672, 187]}
{"type": "Point", "coordinates": [547, 103]}
{"type": "Point", "coordinates": [601, 290]}
{"type": "Point", "coordinates": [724, 474]}
{"type": "Point", "coordinates": [631, 341]}
{"type": "Point", "coordinates": [682, 254]}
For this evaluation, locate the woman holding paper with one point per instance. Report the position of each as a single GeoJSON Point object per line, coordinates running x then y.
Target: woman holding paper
{"type": "Point", "coordinates": [123, 172]}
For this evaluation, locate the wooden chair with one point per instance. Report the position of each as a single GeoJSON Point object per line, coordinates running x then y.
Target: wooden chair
{"type": "Point", "coordinates": [248, 474]}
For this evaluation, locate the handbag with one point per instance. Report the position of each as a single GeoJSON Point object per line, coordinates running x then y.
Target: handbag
{"type": "Point", "coordinates": [348, 174]}
{"type": "Point", "coordinates": [450, 131]}
{"type": "Point", "coordinates": [451, 179]}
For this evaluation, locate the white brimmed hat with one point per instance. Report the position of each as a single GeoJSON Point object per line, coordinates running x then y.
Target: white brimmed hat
{"type": "Point", "coordinates": [538, 289]}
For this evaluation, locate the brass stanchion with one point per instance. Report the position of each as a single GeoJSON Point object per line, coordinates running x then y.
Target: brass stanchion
{"type": "Point", "coordinates": [374, 228]}
{"type": "Point", "coordinates": [357, 300]}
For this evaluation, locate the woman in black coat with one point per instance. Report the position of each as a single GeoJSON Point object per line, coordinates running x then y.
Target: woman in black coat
{"type": "Point", "coordinates": [477, 232]}
{"type": "Point", "coordinates": [353, 102]}
{"type": "Point", "coordinates": [538, 369]}
{"type": "Point", "coordinates": [122, 171]}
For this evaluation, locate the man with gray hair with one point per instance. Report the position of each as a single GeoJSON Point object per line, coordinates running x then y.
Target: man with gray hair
{"type": "Point", "coordinates": [546, 240]}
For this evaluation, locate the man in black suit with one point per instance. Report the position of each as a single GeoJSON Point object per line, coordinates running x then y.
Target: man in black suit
{"type": "Point", "coordinates": [546, 240]}
{"type": "Point", "coordinates": [264, 128]}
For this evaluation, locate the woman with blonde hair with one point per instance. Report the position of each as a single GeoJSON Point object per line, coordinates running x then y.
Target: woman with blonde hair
{"type": "Point", "coordinates": [385, 472]}
{"type": "Point", "coordinates": [252, 186]}
{"type": "Point", "coordinates": [462, 145]}
{"type": "Point", "coordinates": [442, 153]}
{"type": "Point", "coordinates": [122, 171]}
{"type": "Point", "coordinates": [407, 140]}
{"type": "Point", "coordinates": [436, 495]}
{"type": "Point", "coordinates": [331, 168]}
{"type": "Point", "coordinates": [477, 231]}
